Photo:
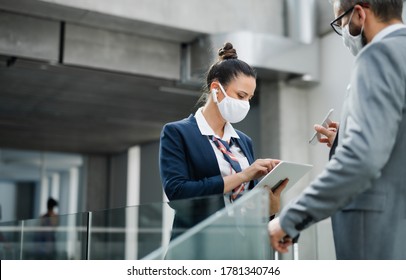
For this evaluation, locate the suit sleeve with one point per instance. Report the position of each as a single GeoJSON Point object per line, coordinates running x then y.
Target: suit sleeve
{"type": "Point", "coordinates": [174, 169]}
{"type": "Point", "coordinates": [375, 109]}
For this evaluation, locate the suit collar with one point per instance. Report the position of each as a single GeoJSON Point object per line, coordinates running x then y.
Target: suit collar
{"type": "Point", "coordinates": [388, 31]}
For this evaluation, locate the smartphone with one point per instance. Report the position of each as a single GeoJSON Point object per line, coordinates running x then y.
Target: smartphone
{"type": "Point", "coordinates": [326, 122]}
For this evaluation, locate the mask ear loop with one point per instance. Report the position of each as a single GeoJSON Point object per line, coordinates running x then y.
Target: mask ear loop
{"type": "Point", "coordinates": [349, 21]}
{"type": "Point", "coordinates": [222, 89]}
{"type": "Point", "coordinates": [214, 93]}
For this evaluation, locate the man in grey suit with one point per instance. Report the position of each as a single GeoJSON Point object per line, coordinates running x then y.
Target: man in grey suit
{"type": "Point", "coordinates": [363, 186]}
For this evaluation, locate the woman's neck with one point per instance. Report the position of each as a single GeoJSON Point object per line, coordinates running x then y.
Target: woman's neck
{"type": "Point", "coordinates": [214, 118]}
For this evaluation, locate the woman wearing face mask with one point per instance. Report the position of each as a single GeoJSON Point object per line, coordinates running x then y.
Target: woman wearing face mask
{"type": "Point", "coordinates": [204, 155]}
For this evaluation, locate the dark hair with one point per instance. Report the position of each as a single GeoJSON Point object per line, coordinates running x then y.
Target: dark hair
{"type": "Point", "coordinates": [51, 203]}
{"type": "Point", "coordinates": [385, 10]}
{"type": "Point", "coordinates": [227, 68]}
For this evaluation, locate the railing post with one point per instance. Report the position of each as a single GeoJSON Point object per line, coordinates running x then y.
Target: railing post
{"type": "Point", "coordinates": [295, 251]}
{"type": "Point", "coordinates": [22, 240]}
{"type": "Point", "coordinates": [88, 236]}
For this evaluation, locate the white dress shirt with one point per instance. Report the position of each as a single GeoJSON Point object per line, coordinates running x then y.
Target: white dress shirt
{"type": "Point", "coordinates": [224, 165]}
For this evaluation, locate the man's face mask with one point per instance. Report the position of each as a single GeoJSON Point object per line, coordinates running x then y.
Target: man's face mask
{"type": "Point", "coordinates": [353, 43]}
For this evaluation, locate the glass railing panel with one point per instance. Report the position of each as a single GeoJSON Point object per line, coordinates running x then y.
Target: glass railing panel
{"type": "Point", "coordinates": [10, 240]}
{"type": "Point", "coordinates": [126, 233]}
{"type": "Point", "coordinates": [237, 231]}
{"type": "Point", "coordinates": [203, 229]}
{"type": "Point", "coordinates": [62, 237]}
{"type": "Point", "coordinates": [134, 232]}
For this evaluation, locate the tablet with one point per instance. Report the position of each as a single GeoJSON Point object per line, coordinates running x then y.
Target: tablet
{"type": "Point", "coordinates": [293, 171]}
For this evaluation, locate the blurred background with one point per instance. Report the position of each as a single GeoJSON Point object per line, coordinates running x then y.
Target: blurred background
{"type": "Point", "coordinates": [86, 87]}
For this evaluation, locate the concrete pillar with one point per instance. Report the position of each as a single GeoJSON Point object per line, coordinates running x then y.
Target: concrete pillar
{"type": "Point", "coordinates": [269, 119]}
{"type": "Point", "coordinates": [73, 190]}
{"type": "Point", "coordinates": [117, 188]}
{"type": "Point", "coordinates": [72, 218]}
{"type": "Point", "coordinates": [301, 20]}
{"type": "Point", "coordinates": [97, 179]}
{"type": "Point", "coordinates": [55, 186]}
{"type": "Point", "coordinates": [44, 189]}
{"type": "Point", "coordinates": [133, 199]}
{"type": "Point", "coordinates": [150, 183]}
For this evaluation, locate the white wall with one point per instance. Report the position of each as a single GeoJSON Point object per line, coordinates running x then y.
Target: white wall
{"type": "Point", "coordinates": [336, 66]}
{"type": "Point", "coordinates": [301, 108]}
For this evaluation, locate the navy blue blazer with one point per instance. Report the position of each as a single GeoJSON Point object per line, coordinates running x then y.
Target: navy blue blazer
{"type": "Point", "coordinates": [189, 169]}
{"type": "Point", "coordinates": [188, 164]}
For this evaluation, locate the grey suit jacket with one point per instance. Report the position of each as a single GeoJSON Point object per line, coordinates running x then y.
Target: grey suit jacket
{"type": "Point", "coordinates": [364, 184]}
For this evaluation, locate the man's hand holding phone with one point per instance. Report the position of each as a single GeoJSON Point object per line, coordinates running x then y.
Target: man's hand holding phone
{"type": "Point", "coordinates": [326, 132]}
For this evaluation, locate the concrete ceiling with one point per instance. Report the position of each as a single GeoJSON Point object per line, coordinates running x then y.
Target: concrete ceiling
{"type": "Point", "coordinates": [61, 108]}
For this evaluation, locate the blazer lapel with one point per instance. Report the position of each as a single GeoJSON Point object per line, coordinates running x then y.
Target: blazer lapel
{"type": "Point", "coordinates": [203, 144]}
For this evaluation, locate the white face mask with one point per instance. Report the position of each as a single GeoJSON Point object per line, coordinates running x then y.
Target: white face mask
{"type": "Point", "coordinates": [231, 109]}
{"type": "Point", "coordinates": [353, 43]}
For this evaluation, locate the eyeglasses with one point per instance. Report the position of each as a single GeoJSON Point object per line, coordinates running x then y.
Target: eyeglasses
{"type": "Point", "coordinates": [336, 24]}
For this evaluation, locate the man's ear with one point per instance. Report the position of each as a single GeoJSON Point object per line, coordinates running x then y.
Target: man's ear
{"type": "Point", "coordinates": [359, 14]}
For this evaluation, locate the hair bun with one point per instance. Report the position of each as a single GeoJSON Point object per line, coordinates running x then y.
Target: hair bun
{"type": "Point", "coordinates": [227, 52]}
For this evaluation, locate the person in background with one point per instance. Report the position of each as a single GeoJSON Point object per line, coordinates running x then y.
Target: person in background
{"type": "Point", "coordinates": [363, 186]}
{"type": "Point", "coordinates": [51, 204]}
{"type": "Point", "coordinates": [203, 155]}
{"type": "Point", "coordinates": [47, 237]}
